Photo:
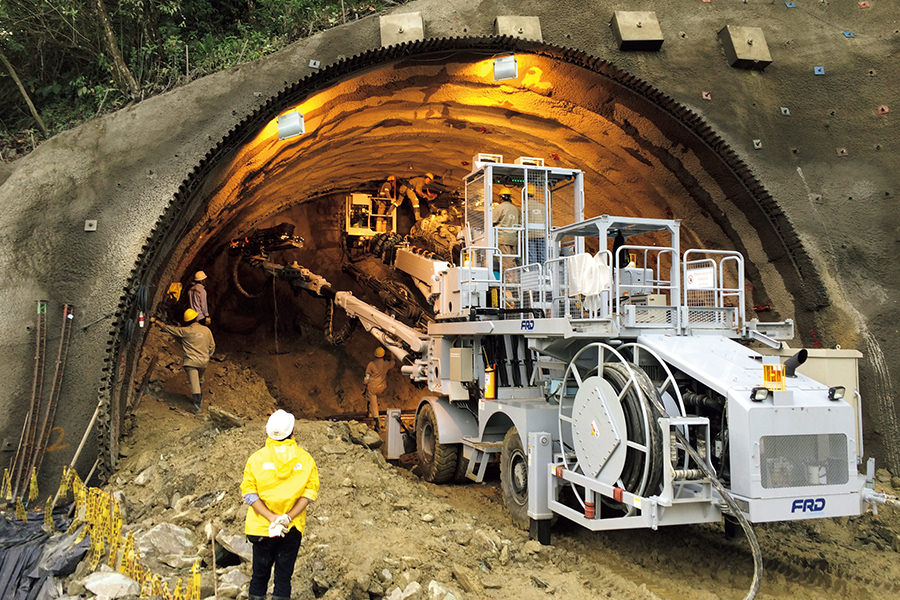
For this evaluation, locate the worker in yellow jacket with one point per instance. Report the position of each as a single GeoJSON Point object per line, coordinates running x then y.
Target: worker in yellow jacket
{"type": "Point", "coordinates": [280, 480]}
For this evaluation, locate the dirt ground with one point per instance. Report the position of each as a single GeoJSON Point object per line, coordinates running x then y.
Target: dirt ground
{"type": "Point", "coordinates": [377, 526]}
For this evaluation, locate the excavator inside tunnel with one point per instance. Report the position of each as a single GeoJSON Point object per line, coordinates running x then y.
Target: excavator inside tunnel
{"type": "Point", "coordinates": [642, 155]}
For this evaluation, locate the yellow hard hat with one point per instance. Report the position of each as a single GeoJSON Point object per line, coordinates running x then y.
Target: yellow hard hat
{"type": "Point", "coordinates": [189, 315]}
{"type": "Point", "coordinates": [505, 191]}
{"type": "Point", "coordinates": [532, 189]}
{"type": "Point", "coordinates": [379, 352]}
{"type": "Point", "coordinates": [391, 178]}
{"type": "Point", "coordinates": [199, 276]}
{"type": "Point", "coordinates": [429, 176]}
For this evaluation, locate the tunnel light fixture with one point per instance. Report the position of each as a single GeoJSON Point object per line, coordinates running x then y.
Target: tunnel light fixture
{"type": "Point", "coordinates": [758, 394]}
{"type": "Point", "coordinates": [836, 393]}
{"type": "Point", "coordinates": [290, 125]}
{"type": "Point", "coordinates": [505, 67]}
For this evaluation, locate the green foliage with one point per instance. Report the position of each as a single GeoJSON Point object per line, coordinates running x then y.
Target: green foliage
{"type": "Point", "coordinates": [58, 50]}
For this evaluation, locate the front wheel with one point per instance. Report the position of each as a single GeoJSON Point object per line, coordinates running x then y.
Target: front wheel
{"type": "Point", "coordinates": [437, 460]}
{"type": "Point", "coordinates": [514, 477]}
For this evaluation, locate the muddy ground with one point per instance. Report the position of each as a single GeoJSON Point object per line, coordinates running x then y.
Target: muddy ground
{"type": "Point", "coordinates": [378, 527]}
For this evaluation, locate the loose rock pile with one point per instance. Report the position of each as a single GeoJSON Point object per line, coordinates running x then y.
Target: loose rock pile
{"type": "Point", "coordinates": [376, 531]}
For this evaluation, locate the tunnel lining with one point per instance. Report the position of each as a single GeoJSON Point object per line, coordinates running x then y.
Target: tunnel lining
{"type": "Point", "coordinates": [737, 181]}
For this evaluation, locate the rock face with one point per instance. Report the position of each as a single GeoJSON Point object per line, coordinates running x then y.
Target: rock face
{"type": "Point", "coordinates": [111, 585]}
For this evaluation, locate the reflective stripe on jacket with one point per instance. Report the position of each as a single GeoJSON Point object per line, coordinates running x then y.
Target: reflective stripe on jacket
{"type": "Point", "coordinates": [280, 473]}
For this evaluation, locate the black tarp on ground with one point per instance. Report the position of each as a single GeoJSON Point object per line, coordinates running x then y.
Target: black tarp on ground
{"type": "Point", "coordinates": [31, 558]}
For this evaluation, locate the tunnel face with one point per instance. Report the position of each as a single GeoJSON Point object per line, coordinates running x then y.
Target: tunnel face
{"type": "Point", "coordinates": [432, 112]}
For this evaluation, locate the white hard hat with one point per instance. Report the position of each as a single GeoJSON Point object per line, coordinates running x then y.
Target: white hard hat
{"type": "Point", "coordinates": [199, 276]}
{"type": "Point", "coordinates": [280, 425]}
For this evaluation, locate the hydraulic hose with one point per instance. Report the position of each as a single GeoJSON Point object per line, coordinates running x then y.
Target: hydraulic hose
{"type": "Point", "coordinates": [237, 283]}
{"type": "Point", "coordinates": [726, 496]}
{"type": "Point", "coordinates": [735, 511]}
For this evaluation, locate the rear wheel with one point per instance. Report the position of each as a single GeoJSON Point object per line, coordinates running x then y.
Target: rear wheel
{"type": "Point", "coordinates": [437, 460]}
{"type": "Point", "coordinates": [514, 477]}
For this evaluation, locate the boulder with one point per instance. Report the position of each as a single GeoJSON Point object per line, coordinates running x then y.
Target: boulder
{"type": "Point", "coordinates": [883, 475]}
{"type": "Point", "coordinates": [165, 539]}
{"type": "Point", "coordinates": [178, 561]}
{"type": "Point", "coordinates": [412, 591]}
{"type": "Point", "coordinates": [224, 419]}
{"type": "Point", "coordinates": [439, 591]}
{"type": "Point", "coordinates": [145, 476]}
{"type": "Point", "coordinates": [111, 585]}
{"type": "Point", "coordinates": [236, 544]}
{"type": "Point", "coordinates": [467, 580]}
{"type": "Point", "coordinates": [234, 577]}
{"type": "Point", "coordinates": [532, 547]}
{"type": "Point", "coordinates": [372, 440]}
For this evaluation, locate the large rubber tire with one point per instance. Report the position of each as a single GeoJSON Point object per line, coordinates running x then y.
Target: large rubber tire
{"type": "Point", "coordinates": [436, 460]}
{"type": "Point", "coordinates": [514, 477]}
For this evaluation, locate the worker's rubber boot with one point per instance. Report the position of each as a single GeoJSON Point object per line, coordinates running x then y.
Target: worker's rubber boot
{"type": "Point", "coordinates": [198, 402]}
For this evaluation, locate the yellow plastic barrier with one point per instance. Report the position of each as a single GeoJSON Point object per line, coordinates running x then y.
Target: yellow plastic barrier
{"type": "Point", "coordinates": [33, 488]}
{"type": "Point", "coordinates": [97, 513]}
{"type": "Point", "coordinates": [48, 514]}
{"type": "Point", "coordinates": [6, 489]}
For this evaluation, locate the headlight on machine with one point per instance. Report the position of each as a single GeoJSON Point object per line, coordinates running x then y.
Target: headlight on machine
{"type": "Point", "coordinates": [758, 394]}
{"type": "Point", "coordinates": [836, 393]}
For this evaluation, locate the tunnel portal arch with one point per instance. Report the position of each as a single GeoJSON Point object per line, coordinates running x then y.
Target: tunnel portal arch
{"type": "Point", "coordinates": [370, 115]}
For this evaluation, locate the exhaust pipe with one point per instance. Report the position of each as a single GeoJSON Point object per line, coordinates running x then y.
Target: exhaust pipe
{"type": "Point", "coordinates": [791, 364]}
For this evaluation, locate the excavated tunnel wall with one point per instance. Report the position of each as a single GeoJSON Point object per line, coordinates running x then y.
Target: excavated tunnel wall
{"type": "Point", "coordinates": [744, 212]}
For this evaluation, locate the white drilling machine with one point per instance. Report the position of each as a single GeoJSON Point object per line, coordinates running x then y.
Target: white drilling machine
{"type": "Point", "coordinates": [611, 372]}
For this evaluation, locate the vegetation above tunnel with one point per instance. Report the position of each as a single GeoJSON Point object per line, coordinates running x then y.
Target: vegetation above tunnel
{"type": "Point", "coordinates": [76, 60]}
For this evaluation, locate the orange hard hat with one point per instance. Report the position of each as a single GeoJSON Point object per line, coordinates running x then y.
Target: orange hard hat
{"type": "Point", "coordinates": [391, 178]}
{"type": "Point", "coordinates": [379, 352]}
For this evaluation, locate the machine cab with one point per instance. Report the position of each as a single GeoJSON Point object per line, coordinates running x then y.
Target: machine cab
{"type": "Point", "coordinates": [366, 215]}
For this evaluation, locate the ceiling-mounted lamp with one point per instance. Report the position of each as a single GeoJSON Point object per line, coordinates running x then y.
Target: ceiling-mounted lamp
{"type": "Point", "coordinates": [290, 125]}
{"type": "Point", "coordinates": [505, 67]}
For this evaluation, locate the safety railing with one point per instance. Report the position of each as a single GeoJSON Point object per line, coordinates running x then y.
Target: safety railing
{"type": "Point", "coordinates": [525, 287]}
{"type": "Point", "coordinates": [645, 295]}
{"type": "Point", "coordinates": [709, 301]}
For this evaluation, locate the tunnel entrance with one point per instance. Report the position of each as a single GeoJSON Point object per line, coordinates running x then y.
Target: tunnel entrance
{"type": "Point", "coordinates": [428, 108]}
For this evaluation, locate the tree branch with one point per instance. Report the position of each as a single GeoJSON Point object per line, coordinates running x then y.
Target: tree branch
{"type": "Point", "coordinates": [113, 47]}
{"type": "Point", "coordinates": [34, 112]}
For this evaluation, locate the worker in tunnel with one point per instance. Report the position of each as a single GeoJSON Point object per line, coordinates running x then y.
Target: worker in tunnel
{"type": "Point", "coordinates": [413, 189]}
{"type": "Point", "coordinates": [506, 214]}
{"type": "Point", "coordinates": [280, 481]}
{"type": "Point", "coordinates": [198, 345]}
{"type": "Point", "coordinates": [375, 382]}
{"type": "Point", "coordinates": [197, 298]}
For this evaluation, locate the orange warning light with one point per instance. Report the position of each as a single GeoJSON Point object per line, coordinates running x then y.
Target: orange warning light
{"type": "Point", "coordinates": [773, 375]}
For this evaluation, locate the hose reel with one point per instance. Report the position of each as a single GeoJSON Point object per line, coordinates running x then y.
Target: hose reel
{"type": "Point", "coordinates": [608, 423]}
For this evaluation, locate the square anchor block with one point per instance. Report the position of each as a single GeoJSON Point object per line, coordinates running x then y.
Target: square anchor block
{"type": "Point", "coordinates": [636, 30]}
{"type": "Point", "coordinates": [527, 28]}
{"type": "Point", "coordinates": [400, 28]}
{"type": "Point", "coordinates": [745, 47]}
